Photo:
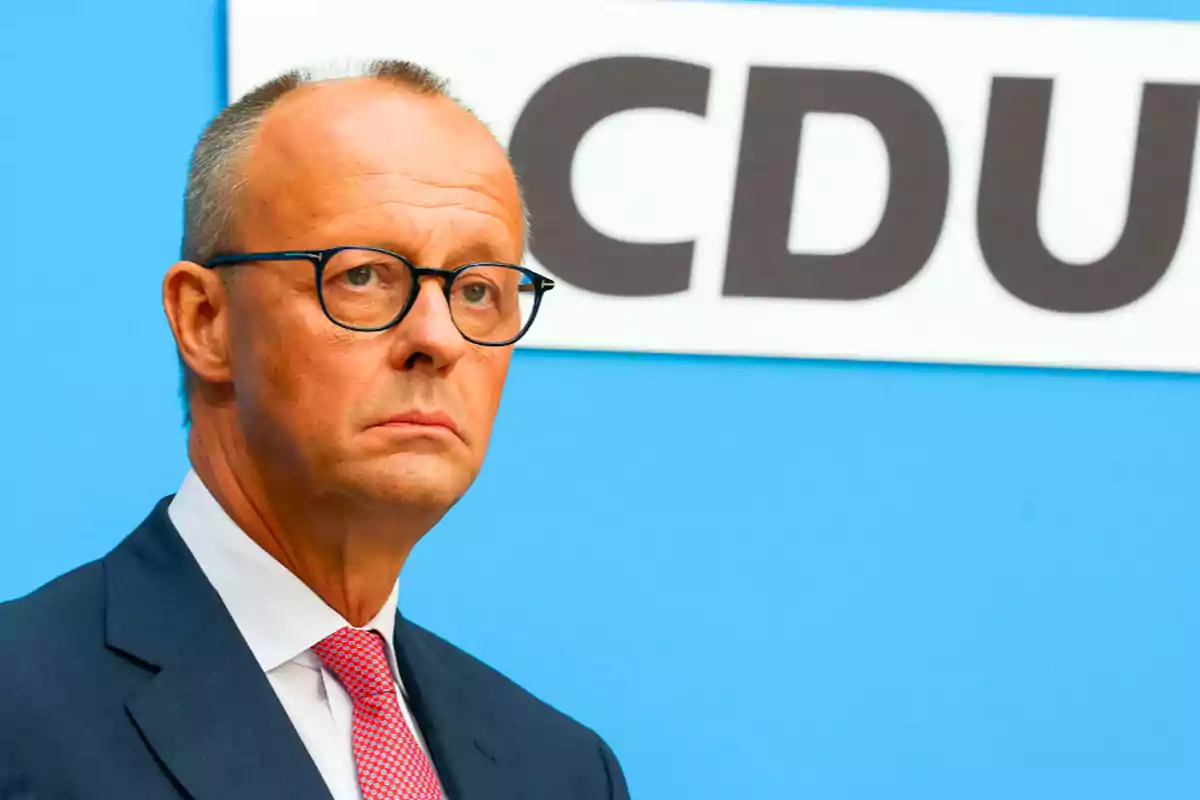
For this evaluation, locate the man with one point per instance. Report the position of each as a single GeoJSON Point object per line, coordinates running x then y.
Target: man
{"type": "Point", "coordinates": [344, 312]}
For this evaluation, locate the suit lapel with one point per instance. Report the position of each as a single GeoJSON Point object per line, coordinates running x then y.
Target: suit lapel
{"type": "Point", "coordinates": [208, 713]}
{"type": "Point", "coordinates": [466, 750]}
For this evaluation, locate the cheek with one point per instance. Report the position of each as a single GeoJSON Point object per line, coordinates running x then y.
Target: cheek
{"type": "Point", "coordinates": [484, 386]}
{"type": "Point", "coordinates": [294, 368]}
{"type": "Point", "coordinates": [323, 376]}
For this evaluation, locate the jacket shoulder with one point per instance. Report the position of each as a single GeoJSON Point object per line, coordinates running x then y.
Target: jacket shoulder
{"type": "Point", "coordinates": [48, 636]}
{"type": "Point", "coordinates": [488, 687]}
{"type": "Point", "coordinates": [550, 735]}
{"type": "Point", "coordinates": [480, 680]}
{"type": "Point", "coordinates": [55, 614]}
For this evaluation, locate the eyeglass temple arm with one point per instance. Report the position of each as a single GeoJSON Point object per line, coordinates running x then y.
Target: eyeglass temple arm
{"type": "Point", "coordinates": [246, 258]}
{"type": "Point", "coordinates": [545, 285]}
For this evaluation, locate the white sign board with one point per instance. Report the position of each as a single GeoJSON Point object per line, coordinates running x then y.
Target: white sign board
{"type": "Point", "coordinates": [815, 182]}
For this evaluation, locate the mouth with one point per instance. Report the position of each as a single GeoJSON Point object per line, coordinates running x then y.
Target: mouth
{"type": "Point", "coordinates": [431, 422]}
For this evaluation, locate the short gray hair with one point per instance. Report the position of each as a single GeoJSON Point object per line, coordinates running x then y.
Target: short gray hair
{"type": "Point", "coordinates": [215, 174]}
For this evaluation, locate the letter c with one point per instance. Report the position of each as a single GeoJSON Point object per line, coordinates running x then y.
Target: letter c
{"type": "Point", "coordinates": [542, 149]}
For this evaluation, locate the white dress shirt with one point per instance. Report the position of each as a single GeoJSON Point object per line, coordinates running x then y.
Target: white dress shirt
{"type": "Point", "coordinates": [281, 619]}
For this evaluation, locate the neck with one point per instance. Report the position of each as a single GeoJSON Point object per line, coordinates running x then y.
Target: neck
{"type": "Point", "coordinates": [349, 553]}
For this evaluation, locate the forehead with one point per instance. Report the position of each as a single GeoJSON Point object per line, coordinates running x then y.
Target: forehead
{"type": "Point", "coordinates": [368, 149]}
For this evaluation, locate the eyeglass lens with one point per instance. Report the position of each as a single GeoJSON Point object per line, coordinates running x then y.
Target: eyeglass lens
{"type": "Point", "coordinates": [365, 289]}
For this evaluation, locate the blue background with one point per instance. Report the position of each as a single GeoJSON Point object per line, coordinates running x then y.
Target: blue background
{"type": "Point", "coordinates": [757, 578]}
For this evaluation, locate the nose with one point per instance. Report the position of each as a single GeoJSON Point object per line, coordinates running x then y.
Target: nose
{"type": "Point", "coordinates": [427, 337]}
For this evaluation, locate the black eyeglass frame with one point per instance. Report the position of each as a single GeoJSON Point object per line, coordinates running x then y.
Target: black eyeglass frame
{"type": "Point", "coordinates": [539, 284]}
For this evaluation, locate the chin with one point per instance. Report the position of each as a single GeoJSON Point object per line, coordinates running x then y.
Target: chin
{"type": "Point", "coordinates": [425, 481]}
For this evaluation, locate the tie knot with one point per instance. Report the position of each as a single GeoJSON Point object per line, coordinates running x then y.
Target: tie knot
{"type": "Point", "coordinates": [358, 660]}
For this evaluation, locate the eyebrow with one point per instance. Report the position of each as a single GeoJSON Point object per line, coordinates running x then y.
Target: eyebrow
{"type": "Point", "coordinates": [466, 253]}
{"type": "Point", "coordinates": [477, 251]}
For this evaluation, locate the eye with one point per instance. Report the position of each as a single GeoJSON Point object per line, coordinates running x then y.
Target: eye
{"type": "Point", "coordinates": [360, 276]}
{"type": "Point", "coordinates": [476, 293]}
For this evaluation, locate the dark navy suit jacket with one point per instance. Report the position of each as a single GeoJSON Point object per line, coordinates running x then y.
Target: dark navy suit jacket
{"type": "Point", "coordinates": [127, 679]}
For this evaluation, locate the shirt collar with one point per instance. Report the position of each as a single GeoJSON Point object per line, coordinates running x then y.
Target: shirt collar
{"type": "Point", "coordinates": [278, 615]}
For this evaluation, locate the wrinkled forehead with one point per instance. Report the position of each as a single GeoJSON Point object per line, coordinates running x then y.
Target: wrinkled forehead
{"type": "Point", "coordinates": [329, 149]}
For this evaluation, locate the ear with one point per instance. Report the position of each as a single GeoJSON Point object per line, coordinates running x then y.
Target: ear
{"type": "Point", "coordinates": [197, 308]}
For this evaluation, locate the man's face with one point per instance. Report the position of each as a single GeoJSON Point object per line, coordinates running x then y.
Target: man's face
{"type": "Point", "coordinates": [365, 162]}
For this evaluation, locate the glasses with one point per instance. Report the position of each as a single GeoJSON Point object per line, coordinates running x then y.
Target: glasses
{"type": "Point", "coordinates": [369, 289]}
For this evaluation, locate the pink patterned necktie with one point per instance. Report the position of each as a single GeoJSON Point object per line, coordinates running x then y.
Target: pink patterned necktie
{"type": "Point", "coordinates": [391, 763]}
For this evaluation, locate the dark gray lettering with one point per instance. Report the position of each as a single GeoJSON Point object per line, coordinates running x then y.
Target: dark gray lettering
{"type": "Point", "coordinates": [778, 99]}
{"type": "Point", "coordinates": [543, 148]}
{"type": "Point", "coordinates": [1010, 187]}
